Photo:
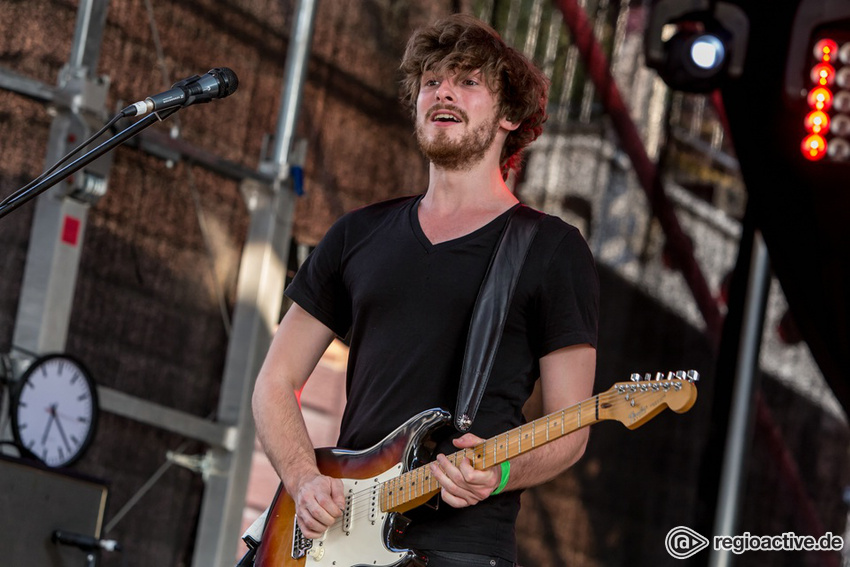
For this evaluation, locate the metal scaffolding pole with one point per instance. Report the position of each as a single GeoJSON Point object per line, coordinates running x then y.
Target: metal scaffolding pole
{"type": "Point", "coordinates": [259, 298]}
{"type": "Point", "coordinates": [59, 222]}
{"type": "Point", "coordinates": [742, 414]}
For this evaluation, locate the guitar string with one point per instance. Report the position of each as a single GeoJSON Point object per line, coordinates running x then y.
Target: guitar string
{"type": "Point", "coordinates": [514, 444]}
{"type": "Point", "coordinates": [573, 413]}
{"type": "Point", "coordinates": [513, 447]}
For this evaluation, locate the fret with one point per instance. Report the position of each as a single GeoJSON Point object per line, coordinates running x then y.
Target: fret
{"type": "Point", "coordinates": [519, 441]}
{"type": "Point", "coordinates": [547, 428]}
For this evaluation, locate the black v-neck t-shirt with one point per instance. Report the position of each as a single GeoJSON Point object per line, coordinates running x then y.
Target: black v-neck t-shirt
{"type": "Point", "coordinates": [404, 305]}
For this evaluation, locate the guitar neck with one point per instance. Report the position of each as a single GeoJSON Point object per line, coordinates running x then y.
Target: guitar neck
{"type": "Point", "coordinates": [414, 487]}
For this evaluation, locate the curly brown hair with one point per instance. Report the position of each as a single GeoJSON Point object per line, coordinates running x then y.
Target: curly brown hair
{"type": "Point", "coordinates": [461, 44]}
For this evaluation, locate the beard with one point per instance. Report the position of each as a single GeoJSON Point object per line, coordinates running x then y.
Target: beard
{"type": "Point", "coordinates": [458, 154]}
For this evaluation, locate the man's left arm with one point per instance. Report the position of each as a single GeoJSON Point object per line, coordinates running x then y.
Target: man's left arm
{"type": "Point", "coordinates": [566, 379]}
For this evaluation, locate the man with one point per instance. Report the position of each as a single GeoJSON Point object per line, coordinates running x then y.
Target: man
{"type": "Point", "coordinates": [400, 279]}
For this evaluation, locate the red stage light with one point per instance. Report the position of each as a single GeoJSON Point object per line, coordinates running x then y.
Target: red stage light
{"type": "Point", "coordinates": [826, 50]}
{"type": "Point", "coordinates": [813, 147]}
{"type": "Point", "coordinates": [823, 74]}
{"type": "Point", "coordinates": [820, 98]}
{"type": "Point", "coordinates": [817, 122]}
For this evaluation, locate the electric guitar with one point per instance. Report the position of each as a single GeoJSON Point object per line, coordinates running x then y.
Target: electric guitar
{"type": "Point", "coordinates": [388, 479]}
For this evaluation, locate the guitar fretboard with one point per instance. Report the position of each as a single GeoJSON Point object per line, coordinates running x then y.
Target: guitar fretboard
{"type": "Point", "coordinates": [418, 484]}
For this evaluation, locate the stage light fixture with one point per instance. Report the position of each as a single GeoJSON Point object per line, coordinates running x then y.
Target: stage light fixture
{"type": "Point", "coordinates": [841, 102]}
{"type": "Point", "coordinates": [707, 52]}
{"type": "Point", "coordinates": [707, 44]}
{"type": "Point", "coordinates": [825, 50]}
{"type": "Point", "coordinates": [694, 61]}
{"type": "Point", "coordinates": [813, 147]}
{"type": "Point", "coordinates": [823, 74]}
{"type": "Point", "coordinates": [844, 53]}
{"type": "Point", "coordinates": [839, 149]}
{"type": "Point", "coordinates": [817, 122]}
{"type": "Point", "coordinates": [820, 98]}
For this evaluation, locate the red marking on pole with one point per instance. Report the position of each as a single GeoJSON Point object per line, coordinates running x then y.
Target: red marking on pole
{"type": "Point", "coordinates": [70, 230]}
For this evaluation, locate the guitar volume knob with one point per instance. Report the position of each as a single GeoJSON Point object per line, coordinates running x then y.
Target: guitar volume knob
{"type": "Point", "coordinates": [316, 553]}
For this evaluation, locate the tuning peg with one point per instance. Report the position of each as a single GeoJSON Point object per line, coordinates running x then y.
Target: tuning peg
{"type": "Point", "coordinates": [693, 376]}
{"type": "Point", "coordinates": [659, 376]}
{"type": "Point", "coordinates": [647, 377]}
{"type": "Point", "coordinates": [680, 375]}
{"type": "Point", "coordinates": [635, 377]}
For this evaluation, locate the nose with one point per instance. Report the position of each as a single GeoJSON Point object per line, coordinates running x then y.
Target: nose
{"type": "Point", "coordinates": [445, 92]}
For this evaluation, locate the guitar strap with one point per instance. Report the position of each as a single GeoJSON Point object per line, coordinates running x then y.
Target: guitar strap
{"type": "Point", "coordinates": [491, 310]}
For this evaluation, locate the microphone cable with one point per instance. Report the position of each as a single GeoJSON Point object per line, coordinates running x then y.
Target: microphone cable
{"type": "Point", "coordinates": [11, 199]}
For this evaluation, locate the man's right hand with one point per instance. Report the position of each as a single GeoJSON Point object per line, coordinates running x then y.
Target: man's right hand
{"type": "Point", "coordinates": [319, 501]}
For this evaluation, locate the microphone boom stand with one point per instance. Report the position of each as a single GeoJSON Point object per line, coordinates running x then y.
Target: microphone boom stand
{"type": "Point", "coordinates": [86, 159]}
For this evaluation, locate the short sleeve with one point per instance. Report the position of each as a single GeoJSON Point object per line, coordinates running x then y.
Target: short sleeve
{"type": "Point", "coordinates": [568, 296]}
{"type": "Point", "coordinates": [318, 285]}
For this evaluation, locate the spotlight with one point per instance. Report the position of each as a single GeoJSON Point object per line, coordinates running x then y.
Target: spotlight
{"type": "Point", "coordinates": [707, 44]}
{"type": "Point", "coordinates": [695, 61]}
{"type": "Point", "coordinates": [708, 52]}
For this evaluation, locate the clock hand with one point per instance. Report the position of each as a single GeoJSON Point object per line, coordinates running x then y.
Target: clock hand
{"type": "Point", "coordinates": [52, 412]}
{"type": "Point", "coordinates": [62, 432]}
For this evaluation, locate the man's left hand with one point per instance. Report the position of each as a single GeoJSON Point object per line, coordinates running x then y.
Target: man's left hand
{"type": "Point", "coordinates": [462, 485]}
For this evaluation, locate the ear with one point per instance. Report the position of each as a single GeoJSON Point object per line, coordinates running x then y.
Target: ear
{"type": "Point", "coordinates": [508, 125]}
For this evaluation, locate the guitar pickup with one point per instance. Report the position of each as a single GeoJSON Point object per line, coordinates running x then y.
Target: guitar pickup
{"type": "Point", "coordinates": [347, 515]}
{"type": "Point", "coordinates": [373, 504]}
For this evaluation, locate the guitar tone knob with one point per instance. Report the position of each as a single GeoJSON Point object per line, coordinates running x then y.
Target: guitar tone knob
{"type": "Point", "coordinates": [316, 553]}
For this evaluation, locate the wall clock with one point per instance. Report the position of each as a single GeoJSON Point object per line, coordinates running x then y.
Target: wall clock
{"type": "Point", "coordinates": [54, 415]}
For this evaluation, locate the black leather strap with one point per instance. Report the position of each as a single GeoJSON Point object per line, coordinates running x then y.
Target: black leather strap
{"type": "Point", "coordinates": [491, 310]}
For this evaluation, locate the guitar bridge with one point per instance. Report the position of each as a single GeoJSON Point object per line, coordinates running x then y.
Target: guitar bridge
{"type": "Point", "coordinates": [300, 544]}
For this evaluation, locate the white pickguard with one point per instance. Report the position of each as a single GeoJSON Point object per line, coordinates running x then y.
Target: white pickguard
{"type": "Point", "coordinates": [357, 539]}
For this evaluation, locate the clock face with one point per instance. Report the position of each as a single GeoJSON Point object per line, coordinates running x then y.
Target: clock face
{"type": "Point", "coordinates": [56, 410]}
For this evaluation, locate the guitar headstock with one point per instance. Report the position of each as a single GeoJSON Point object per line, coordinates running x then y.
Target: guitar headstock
{"type": "Point", "coordinates": [636, 402]}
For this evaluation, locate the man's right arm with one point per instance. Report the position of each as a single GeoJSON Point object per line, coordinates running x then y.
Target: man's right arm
{"type": "Point", "coordinates": [296, 348]}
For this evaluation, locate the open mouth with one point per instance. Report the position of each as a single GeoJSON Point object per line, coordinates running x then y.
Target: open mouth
{"type": "Point", "coordinates": [441, 116]}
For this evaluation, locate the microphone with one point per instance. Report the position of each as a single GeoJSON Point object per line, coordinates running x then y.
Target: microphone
{"type": "Point", "coordinates": [215, 83]}
{"type": "Point", "coordinates": [84, 542]}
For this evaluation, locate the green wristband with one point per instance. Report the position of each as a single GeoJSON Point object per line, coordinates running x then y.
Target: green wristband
{"type": "Point", "coordinates": [506, 474]}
